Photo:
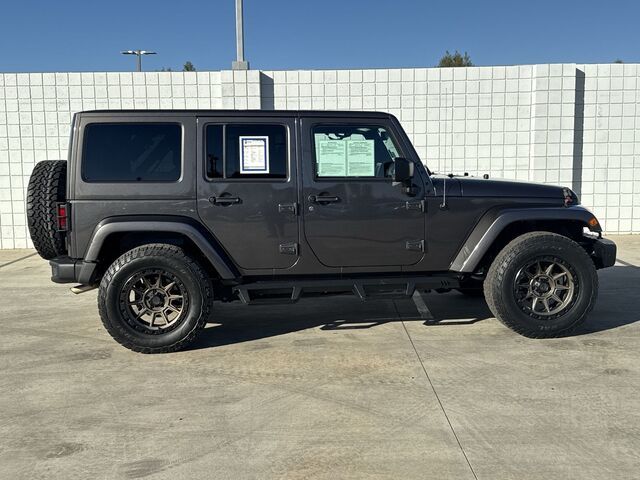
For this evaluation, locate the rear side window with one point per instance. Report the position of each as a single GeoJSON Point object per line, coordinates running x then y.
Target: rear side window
{"type": "Point", "coordinates": [245, 151]}
{"type": "Point", "coordinates": [132, 152]}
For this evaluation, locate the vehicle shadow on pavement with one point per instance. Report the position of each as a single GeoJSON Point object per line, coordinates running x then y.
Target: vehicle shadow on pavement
{"type": "Point", "coordinates": [618, 305]}
{"type": "Point", "coordinates": [618, 301]}
{"type": "Point", "coordinates": [241, 323]}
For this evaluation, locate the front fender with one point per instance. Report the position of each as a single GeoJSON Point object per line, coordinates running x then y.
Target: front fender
{"type": "Point", "coordinates": [493, 223]}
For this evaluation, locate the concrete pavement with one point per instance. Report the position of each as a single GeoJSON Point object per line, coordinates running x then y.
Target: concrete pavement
{"type": "Point", "coordinates": [321, 389]}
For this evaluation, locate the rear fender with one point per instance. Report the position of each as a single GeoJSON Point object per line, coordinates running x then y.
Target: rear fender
{"type": "Point", "coordinates": [207, 246]}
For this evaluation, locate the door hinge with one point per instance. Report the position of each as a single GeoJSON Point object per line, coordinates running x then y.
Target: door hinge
{"type": "Point", "coordinates": [415, 245]}
{"type": "Point", "coordinates": [288, 208]}
{"type": "Point", "coordinates": [289, 248]}
{"type": "Point", "coordinates": [415, 205]}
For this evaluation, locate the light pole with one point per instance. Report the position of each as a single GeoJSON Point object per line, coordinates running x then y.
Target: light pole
{"type": "Point", "coordinates": [240, 63]}
{"type": "Point", "coordinates": [139, 54]}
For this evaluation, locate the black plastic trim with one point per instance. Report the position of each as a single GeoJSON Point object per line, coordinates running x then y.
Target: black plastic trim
{"type": "Point", "coordinates": [481, 238]}
{"type": "Point", "coordinates": [71, 270]}
{"type": "Point", "coordinates": [604, 253]}
{"type": "Point", "coordinates": [127, 224]}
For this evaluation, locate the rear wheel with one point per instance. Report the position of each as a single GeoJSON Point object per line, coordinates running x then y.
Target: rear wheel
{"type": "Point", "coordinates": [155, 299]}
{"type": "Point", "coordinates": [47, 187]}
{"type": "Point", "coordinates": [541, 285]}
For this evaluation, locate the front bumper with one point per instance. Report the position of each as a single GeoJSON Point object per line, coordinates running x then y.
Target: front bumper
{"type": "Point", "coordinates": [71, 270]}
{"type": "Point", "coordinates": [604, 252]}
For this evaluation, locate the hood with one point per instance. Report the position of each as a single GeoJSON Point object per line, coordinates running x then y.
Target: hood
{"type": "Point", "coordinates": [480, 187]}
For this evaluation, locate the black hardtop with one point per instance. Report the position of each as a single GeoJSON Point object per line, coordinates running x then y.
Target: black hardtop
{"type": "Point", "coordinates": [241, 113]}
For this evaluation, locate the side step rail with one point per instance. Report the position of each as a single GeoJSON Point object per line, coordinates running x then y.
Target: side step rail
{"type": "Point", "coordinates": [290, 291]}
{"type": "Point", "coordinates": [244, 294]}
{"type": "Point", "coordinates": [360, 290]}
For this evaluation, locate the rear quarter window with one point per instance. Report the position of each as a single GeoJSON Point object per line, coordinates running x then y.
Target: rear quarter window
{"type": "Point", "coordinates": [132, 152]}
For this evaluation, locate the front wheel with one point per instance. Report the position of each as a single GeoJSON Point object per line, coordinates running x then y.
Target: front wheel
{"type": "Point", "coordinates": [155, 299]}
{"type": "Point", "coordinates": [541, 285]}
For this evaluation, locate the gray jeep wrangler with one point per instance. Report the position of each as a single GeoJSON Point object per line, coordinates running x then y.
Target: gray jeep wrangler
{"type": "Point", "coordinates": [167, 211]}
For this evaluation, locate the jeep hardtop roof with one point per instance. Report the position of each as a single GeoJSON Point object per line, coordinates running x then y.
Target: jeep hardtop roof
{"type": "Point", "coordinates": [243, 113]}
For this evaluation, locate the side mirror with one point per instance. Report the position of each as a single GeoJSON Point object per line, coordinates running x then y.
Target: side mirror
{"type": "Point", "coordinates": [403, 170]}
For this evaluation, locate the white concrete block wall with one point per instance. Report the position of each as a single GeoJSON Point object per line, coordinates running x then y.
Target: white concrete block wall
{"type": "Point", "coordinates": [576, 125]}
{"type": "Point", "coordinates": [552, 124]}
{"type": "Point", "coordinates": [36, 111]}
{"type": "Point", "coordinates": [476, 119]}
{"type": "Point", "coordinates": [611, 151]}
{"type": "Point", "coordinates": [543, 123]}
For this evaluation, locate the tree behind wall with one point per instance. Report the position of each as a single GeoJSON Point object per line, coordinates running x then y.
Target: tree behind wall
{"type": "Point", "coordinates": [455, 60]}
{"type": "Point", "coordinates": [188, 67]}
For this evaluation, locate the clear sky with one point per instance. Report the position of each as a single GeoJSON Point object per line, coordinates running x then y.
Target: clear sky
{"type": "Point", "coordinates": [85, 35]}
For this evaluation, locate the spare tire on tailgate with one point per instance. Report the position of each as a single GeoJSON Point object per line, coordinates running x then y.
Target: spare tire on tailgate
{"type": "Point", "coordinates": [47, 187]}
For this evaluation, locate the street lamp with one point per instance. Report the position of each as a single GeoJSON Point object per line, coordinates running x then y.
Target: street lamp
{"type": "Point", "coordinates": [139, 54]}
{"type": "Point", "coordinates": [240, 63]}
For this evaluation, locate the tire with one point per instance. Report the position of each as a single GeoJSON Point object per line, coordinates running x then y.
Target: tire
{"type": "Point", "coordinates": [517, 288]}
{"type": "Point", "coordinates": [133, 284]}
{"type": "Point", "coordinates": [47, 187]}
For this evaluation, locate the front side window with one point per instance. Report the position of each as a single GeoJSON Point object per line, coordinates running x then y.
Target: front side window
{"type": "Point", "coordinates": [246, 151]}
{"type": "Point", "coordinates": [355, 151]}
{"type": "Point", "coordinates": [132, 152]}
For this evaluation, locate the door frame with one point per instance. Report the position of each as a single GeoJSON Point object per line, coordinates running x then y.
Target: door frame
{"type": "Point", "coordinates": [290, 122]}
{"type": "Point", "coordinates": [307, 173]}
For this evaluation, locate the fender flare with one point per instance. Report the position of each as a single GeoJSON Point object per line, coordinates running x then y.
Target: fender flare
{"type": "Point", "coordinates": [225, 269]}
{"type": "Point", "coordinates": [492, 224]}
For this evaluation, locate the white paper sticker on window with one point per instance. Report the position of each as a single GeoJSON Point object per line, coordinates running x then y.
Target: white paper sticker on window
{"type": "Point", "coordinates": [361, 158]}
{"type": "Point", "coordinates": [332, 158]}
{"type": "Point", "coordinates": [254, 154]}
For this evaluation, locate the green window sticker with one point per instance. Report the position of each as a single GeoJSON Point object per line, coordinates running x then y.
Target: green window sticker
{"type": "Point", "coordinates": [353, 151]}
{"type": "Point", "coordinates": [331, 158]}
{"type": "Point", "coordinates": [360, 158]}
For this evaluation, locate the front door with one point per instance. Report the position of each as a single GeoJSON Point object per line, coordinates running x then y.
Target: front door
{"type": "Point", "coordinates": [247, 194]}
{"type": "Point", "coordinates": [354, 214]}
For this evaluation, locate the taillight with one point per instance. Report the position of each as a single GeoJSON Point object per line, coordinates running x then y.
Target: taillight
{"type": "Point", "coordinates": [62, 211]}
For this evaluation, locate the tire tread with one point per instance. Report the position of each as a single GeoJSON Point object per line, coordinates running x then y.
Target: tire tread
{"type": "Point", "coordinates": [47, 186]}
{"type": "Point", "coordinates": [493, 284]}
{"type": "Point", "coordinates": [160, 250]}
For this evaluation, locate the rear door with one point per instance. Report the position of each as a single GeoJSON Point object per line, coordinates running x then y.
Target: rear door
{"type": "Point", "coordinates": [354, 215]}
{"type": "Point", "coordinates": [247, 194]}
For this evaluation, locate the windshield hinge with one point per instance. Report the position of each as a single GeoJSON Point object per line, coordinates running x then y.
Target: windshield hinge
{"type": "Point", "coordinates": [415, 205]}
{"type": "Point", "coordinates": [415, 245]}
{"type": "Point", "coordinates": [288, 208]}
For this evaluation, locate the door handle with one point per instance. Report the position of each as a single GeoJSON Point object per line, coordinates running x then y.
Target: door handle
{"type": "Point", "coordinates": [224, 200]}
{"type": "Point", "coordinates": [321, 199]}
